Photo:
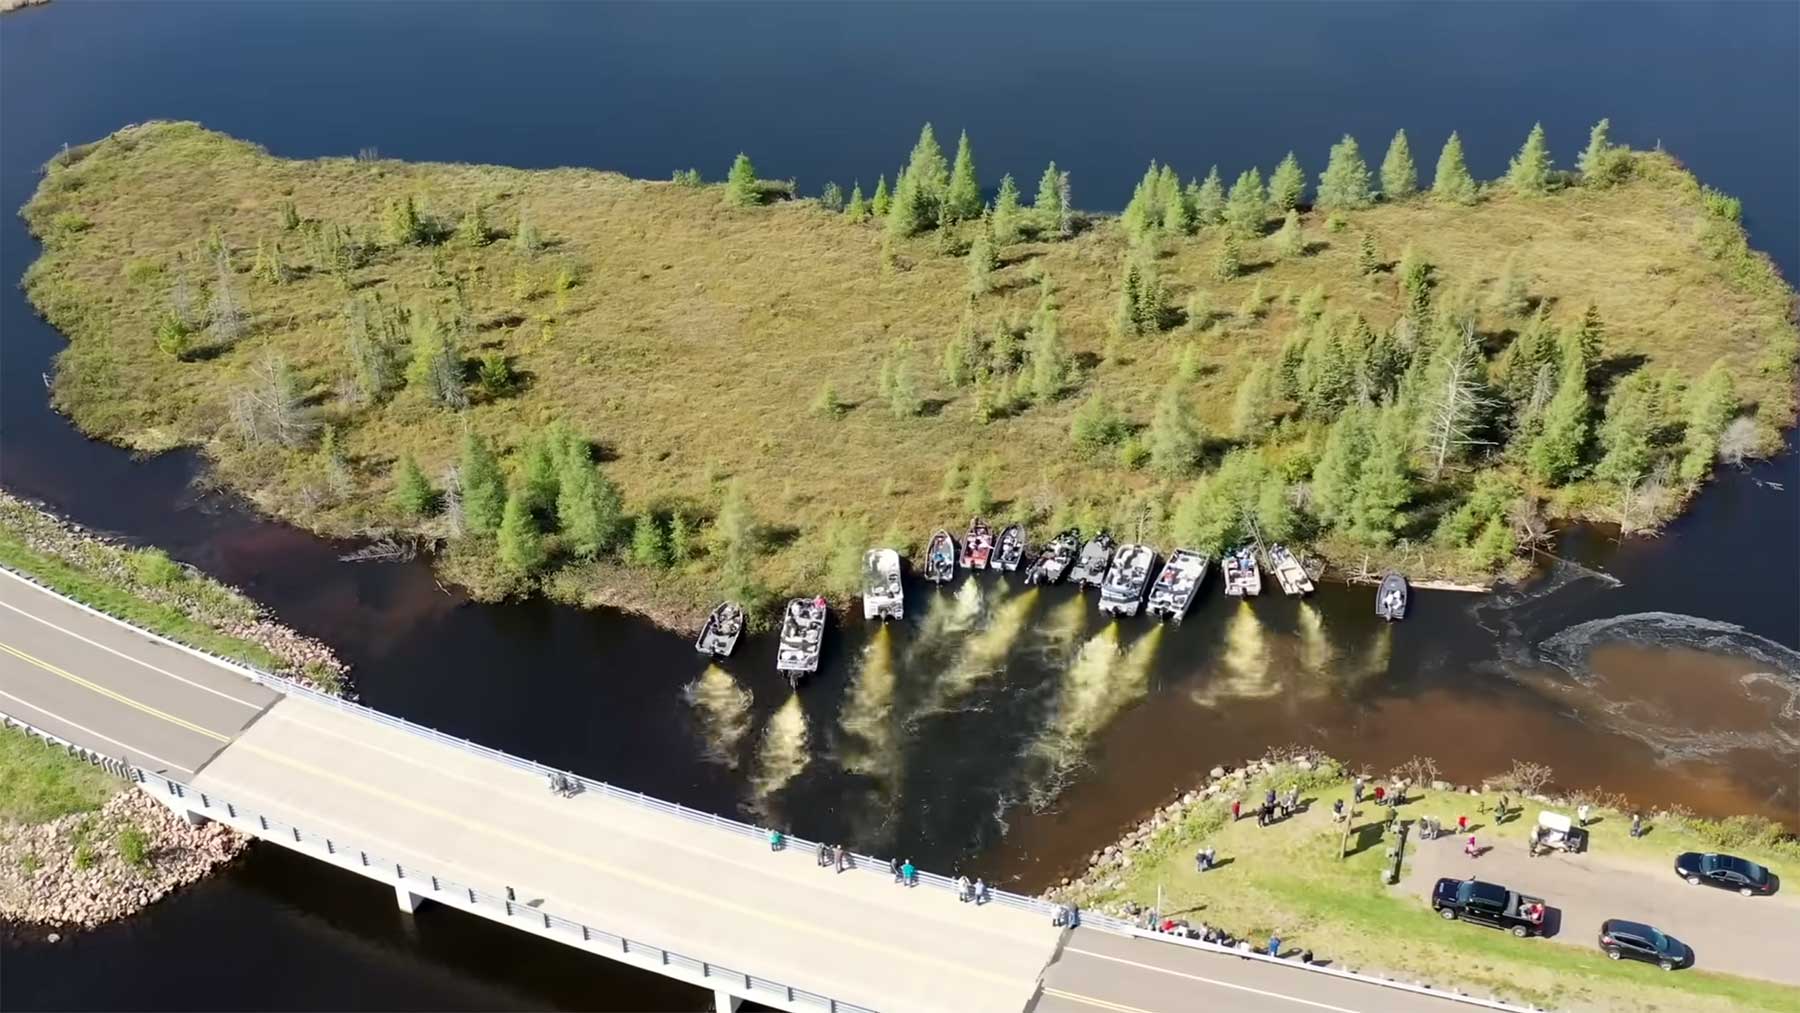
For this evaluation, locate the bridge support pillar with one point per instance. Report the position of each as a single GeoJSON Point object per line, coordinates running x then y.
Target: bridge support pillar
{"type": "Point", "coordinates": [409, 901]}
{"type": "Point", "coordinates": [193, 818]}
{"type": "Point", "coordinates": [725, 1002]}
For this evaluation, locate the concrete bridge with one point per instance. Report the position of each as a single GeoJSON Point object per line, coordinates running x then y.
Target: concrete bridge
{"type": "Point", "coordinates": [690, 895]}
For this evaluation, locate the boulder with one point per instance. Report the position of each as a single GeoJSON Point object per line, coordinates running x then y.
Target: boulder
{"type": "Point", "coordinates": [1216, 773]}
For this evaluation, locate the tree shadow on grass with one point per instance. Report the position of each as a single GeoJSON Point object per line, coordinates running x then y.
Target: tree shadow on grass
{"type": "Point", "coordinates": [1363, 838]}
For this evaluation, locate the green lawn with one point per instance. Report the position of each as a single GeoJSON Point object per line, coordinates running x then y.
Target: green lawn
{"type": "Point", "coordinates": [1288, 879]}
{"type": "Point", "coordinates": [38, 782]}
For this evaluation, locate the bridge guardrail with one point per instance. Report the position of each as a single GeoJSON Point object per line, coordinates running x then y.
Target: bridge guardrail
{"type": "Point", "coordinates": [441, 889]}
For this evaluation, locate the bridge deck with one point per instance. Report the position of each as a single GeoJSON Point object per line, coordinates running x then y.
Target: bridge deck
{"type": "Point", "coordinates": [715, 894]}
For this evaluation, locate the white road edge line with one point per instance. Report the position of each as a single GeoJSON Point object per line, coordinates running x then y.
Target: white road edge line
{"type": "Point", "coordinates": [1213, 981]}
{"type": "Point", "coordinates": [127, 657]}
{"type": "Point", "coordinates": [99, 735]}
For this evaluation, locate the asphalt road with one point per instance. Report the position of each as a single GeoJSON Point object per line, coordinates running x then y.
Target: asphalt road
{"type": "Point", "coordinates": [112, 689]}
{"type": "Point", "coordinates": [1100, 971]}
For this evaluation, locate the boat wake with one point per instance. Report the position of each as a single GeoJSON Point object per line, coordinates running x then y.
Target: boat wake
{"type": "Point", "coordinates": [1244, 672]}
{"type": "Point", "coordinates": [984, 654]}
{"type": "Point", "coordinates": [1569, 648]}
{"type": "Point", "coordinates": [782, 755]}
{"type": "Point", "coordinates": [723, 709]}
{"type": "Point", "coordinates": [1097, 687]}
{"type": "Point", "coordinates": [870, 738]}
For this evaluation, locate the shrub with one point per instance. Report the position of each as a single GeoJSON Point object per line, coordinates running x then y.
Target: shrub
{"type": "Point", "coordinates": [155, 568]}
{"type": "Point", "coordinates": [134, 847]}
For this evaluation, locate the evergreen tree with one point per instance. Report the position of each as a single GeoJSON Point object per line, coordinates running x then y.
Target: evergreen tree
{"type": "Point", "coordinates": [681, 539]}
{"type": "Point", "coordinates": [983, 260]}
{"type": "Point", "coordinates": [540, 474]}
{"type": "Point", "coordinates": [911, 210]}
{"type": "Point", "coordinates": [903, 393]}
{"type": "Point", "coordinates": [1290, 241]}
{"type": "Point", "coordinates": [1175, 439]}
{"type": "Point", "coordinates": [1534, 349]}
{"type": "Point", "coordinates": [1095, 425]}
{"type": "Point", "coordinates": [482, 487]}
{"type": "Point", "coordinates": [1289, 365]}
{"type": "Point", "coordinates": [1590, 341]}
{"type": "Point", "coordinates": [1128, 317]}
{"type": "Point", "coordinates": [1287, 184]}
{"type": "Point", "coordinates": [472, 230]}
{"type": "Point", "coordinates": [588, 507]}
{"type": "Point", "coordinates": [1453, 184]}
{"type": "Point", "coordinates": [929, 173]}
{"type": "Point", "coordinates": [1050, 366]}
{"type": "Point", "coordinates": [1312, 304]}
{"type": "Point", "coordinates": [1399, 176]}
{"type": "Point", "coordinates": [1048, 203]}
{"type": "Point", "coordinates": [978, 497]}
{"type": "Point", "coordinates": [882, 201]}
{"type": "Point", "coordinates": [1248, 206]}
{"type": "Point", "coordinates": [741, 186]}
{"type": "Point", "coordinates": [1603, 163]}
{"type": "Point", "coordinates": [1252, 408]}
{"type": "Point", "coordinates": [1178, 205]}
{"type": "Point", "coordinates": [1529, 171]}
{"type": "Point", "coordinates": [1209, 199]}
{"type": "Point", "coordinates": [1555, 455]}
{"type": "Point", "coordinates": [1345, 181]}
{"type": "Point", "coordinates": [1189, 367]}
{"type": "Point", "coordinates": [413, 496]}
{"type": "Point", "coordinates": [736, 542]}
{"type": "Point", "coordinates": [521, 545]}
{"type": "Point", "coordinates": [858, 207]}
{"type": "Point", "coordinates": [1509, 296]}
{"type": "Point", "coordinates": [290, 215]}
{"type": "Point", "coordinates": [1415, 286]}
{"type": "Point", "coordinates": [1627, 432]}
{"type": "Point", "coordinates": [525, 234]}
{"type": "Point", "coordinates": [401, 222]}
{"type": "Point", "coordinates": [1228, 261]}
{"type": "Point", "coordinates": [1336, 475]}
{"type": "Point", "coordinates": [963, 199]}
{"type": "Point", "coordinates": [832, 197]}
{"type": "Point", "coordinates": [1379, 371]}
{"type": "Point", "coordinates": [1385, 482]}
{"type": "Point", "coordinates": [1710, 406]}
{"type": "Point", "coordinates": [1327, 376]}
{"type": "Point", "coordinates": [1368, 257]}
{"type": "Point", "coordinates": [647, 546]}
{"type": "Point", "coordinates": [1006, 210]}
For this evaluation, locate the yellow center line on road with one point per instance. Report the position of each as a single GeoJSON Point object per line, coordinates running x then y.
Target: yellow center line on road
{"type": "Point", "coordinates": [903, 958]}
{"type": "Point", "coordinates": [1210, 981]}
{"type": "Point", "coordinates": [136, 661]}
{"type": "Point", "coordinates": [98, 735]}
{"type": "Point", "coordinates": [112, 695]}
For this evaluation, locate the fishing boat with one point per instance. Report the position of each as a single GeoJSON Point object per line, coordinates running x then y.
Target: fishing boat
{"type": "Point", "coordinates": [802, 639]}
{"type": "Point", "coordinates": [719, 637]}
{"type": "Point", "coordinates": [1122, 593]}
{"type": "Point", "coordinates": [978, 545]}
{"type": "Point", "coordinates": [1012, 548]}
{"type": "Point", "coordinates": [1050, 566]}
{"type": "Point", "coordinates": [940, 558]}
{"type": "Point", "coordinates": [1242, 577]}
{"type": "Point", "coordinates": [1090, 566]}
{"type": "Point", "coordinates": [1178, 583]}
{"type": "Point", "coordinates": [1391, 596]}
{"type": "Point", "coordinates": [1288, 572]}
{"type": "Point", "coordinates": [882, 598]}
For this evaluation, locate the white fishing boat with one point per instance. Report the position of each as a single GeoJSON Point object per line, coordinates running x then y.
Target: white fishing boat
{"type": "Point", "coordinates": [1122, 593]}
{"type": "Point", "coordinates": [1177, 585]}
{"type": "Point", "coordinates": [1053, 562]}
{"type": "Point", "coordinates": [940, 558]}
{"type": "Point", "coordinates": [1243, 579]}
{"type": "Point", "coordinates": [1090, 566]}
{"type": "Point", "coordinates": [1288, 572]}
{"type": "Point", "coordinates": [882, 596]}
{"type": "Point", "coordinates": [802, 639]}
{"type": "Point", "coordinates": [719, 637]}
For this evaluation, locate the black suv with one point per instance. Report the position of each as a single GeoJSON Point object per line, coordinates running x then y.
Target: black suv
{"type": "Point", "coordinates": [1726, 871]}
{"type": "Point", "coordinates": [1635, 940]}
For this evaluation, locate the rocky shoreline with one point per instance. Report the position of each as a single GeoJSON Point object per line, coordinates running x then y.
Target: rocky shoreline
{"type": "Point", "coordinates": [78, 871]}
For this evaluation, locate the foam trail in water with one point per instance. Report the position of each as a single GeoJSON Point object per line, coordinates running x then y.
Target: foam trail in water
{"type": "Point", "coordinates": [1057, 633]}
{"type": "Point", "coordinates": [1316, 652]}
{"type": "Point", "coordinates": [723, 708]}
{"type": "Point", "coordinates": [867, 718]}
{"type": "Point", "coordinates": [783, 754]}
{"type": "Point", "coordinates": [1243, 664]}
{"type": "Point", "coordinates": [1101, 683]}
{"type": "Point", "coordinates": [948, 616]}
{"type": "Point", "coordinates": [984, 654]}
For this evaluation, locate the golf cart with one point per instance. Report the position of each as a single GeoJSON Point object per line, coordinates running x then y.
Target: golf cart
{"type": "Point", "coordinates": [1556, 832]}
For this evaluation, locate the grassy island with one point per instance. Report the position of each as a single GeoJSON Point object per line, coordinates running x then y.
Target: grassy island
{"type": "Point", "coordinates": [646, 393]}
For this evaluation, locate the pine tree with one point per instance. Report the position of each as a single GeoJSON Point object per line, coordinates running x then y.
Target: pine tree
{"type": "Point", "coordinates": [1590, 340]}
{"type": "Point", "coordinates": [1529, 171]}
{"type": "Point", "coordinates": [928, 170]}
{"type": "Point", "coordinates": [1312, 304]}
{"type": "Point", "coordinates": [1006, 210]}
{"type": "Point", "coordinates": [589, 509]}
{"type": "Point", "coordinates": [1555, 455]}
{"type": "Point", "coordinates": [681, 539]}
{"type": "Point", "coordinates": [1345, 181]}
{"type": "Point", "coordinates": [741, 187]}
{"type": "Point", "coordinates": [1209, 199]}
{"type": "Point", "coordinates": [831, 198]}
{"type": "Point", "coordinates": [1252, 407]}
{"type": "Point", "coordinates": [1228, 261]}
{"type": "Point", "coordinates": [1336, 475]}
{"type": "Point", "coordinates": [903, 393]}
{"type": "Point", "coordinates": [858, 208]}
{"type": "Point", "coordinates": [1368, 256]}
{"type": "Point", "coordinates": [1710, 406]}
{"type": "Point", "coordinates": [1128, 316]}
{"type": "Point", "coordinates": [1603, 163]}
{"type": "Point", "coordinates": [963, 199]}
{"type": "Point", "coordinates": [472, 230]}
{"type": "Point", "coordinates": [525, 234]}
{"type": "Point", "coordinates": [1175, 439]}
{"type": "Point", "coordinates": [1327, 376]}
{"type": "Point", "coordinates": [983, 260]}
{"type": "Point", "coordinates": [1049, 196]}
{"type": "Point", "coordinates": [483, 489]}
{"type": "Point", "coordinates": [1290, 241]}
{"type": "Point", "coordinates": [647, 546]}
{"type": "Point", "coordinates": [1415, 286]}
{"type": "Point", "coordinates": [1385, 482]}
{"type": "Point", "coordinates": [1453, 184]}
{"type": "Point", "coordinates": [413, 496]}
{"type": "Point", "coordinates": [978, 497]}
{"type": "Point", "coordinates": [1399, 176]}
{"type": "Point", "coordinates": [1248, 206]}
{"type": "Point", "coordinates": [1095, 425]}
{"type": "Point", "coordinates": [521, 545]}
{"type": "Point", "coordinates": [540, 474]}
{"type": "Point", "coordinates": [1287, 184]}
{"type": "Point", "coordinates": [290, 215]}
{"type": "Point", "coordinates": [1534, 349]}
{"type": "Point", "coordinates": [1050, 365]}
{"type": "Point", "coordinates": [1626, 432]}
{"type": "Point", "coordinates": [1178, 205]}
{"type": "Point", "coordinates": [400, 222]}
{"type": "Point", "coordinates": [882, 201]}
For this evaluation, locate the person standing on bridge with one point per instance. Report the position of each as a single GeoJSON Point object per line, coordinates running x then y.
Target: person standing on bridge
{"type": "Point", "coordinates": [1274, 945]}
{"type": "Point", "coordinates": [909, 873]}
{"type": "Point", "coordinates": [894, 867]}
{"type": "Point", "coordinates": [843, 858]}
{"type": "Point", "coordinates": [962, 889]}
{"type": "Point", "coordinates": [981, 892]}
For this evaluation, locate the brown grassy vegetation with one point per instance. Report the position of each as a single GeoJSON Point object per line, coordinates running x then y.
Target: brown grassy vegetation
{"type": "Point", "coordinates": [696, 335]}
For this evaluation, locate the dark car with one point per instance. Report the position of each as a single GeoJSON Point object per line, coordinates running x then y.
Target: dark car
{"type": "Point", "coordinates": [1624, 940]}
{"type": "Point", "coordinates": [1488, 904]}
{"type": "Point", "coordinates": [1727, 871]}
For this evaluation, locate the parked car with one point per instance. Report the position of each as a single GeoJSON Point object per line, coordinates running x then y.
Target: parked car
{"type": "Point", "coordinates": [1727, 871]}
{"type": "Point", "coordinates": [1636, 941]}
{"type": "Point", "coordinates": [1488, 904]}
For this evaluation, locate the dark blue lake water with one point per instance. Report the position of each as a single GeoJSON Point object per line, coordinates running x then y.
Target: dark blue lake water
{"type": "Point", "coordinates": [821, 93]}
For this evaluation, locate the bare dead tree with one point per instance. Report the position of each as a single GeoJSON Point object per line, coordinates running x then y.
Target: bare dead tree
{"type": "Point", "coordinates": [1458, 405]}
{"type": "Point", "coordinates": [270, 408]}
{"type": "Point", "coordinates": [1065, 225]}
{"type": "Point", "coordinates": [230, 317]}
{"type": "Point", "coordinates": [453, 501]}
{"type": "Point", "coordinates": [1526, 776]}
{"type": "Point", "coordinates": [1738, 443]}
{"type": "Point", "coordinates": [1418, 770]}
